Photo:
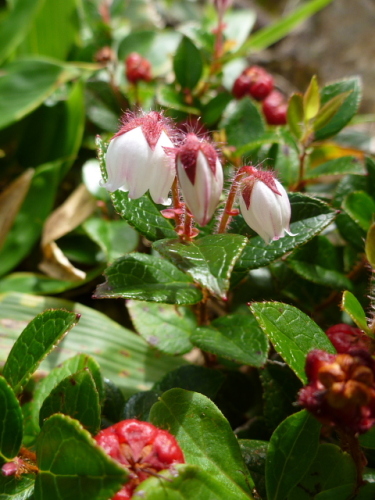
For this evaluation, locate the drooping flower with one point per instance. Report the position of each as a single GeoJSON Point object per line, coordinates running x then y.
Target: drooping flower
{"type": "Point", "coordinates": [142, 449]}
{"type": "Point", "coordinates": [200, 175]}
{"type": "Point", "coordinates": [265, 205]}
{"type": "Point", "coordinates": [346, 338]}
{"type": "Point", "coordinates": [341, 389]}
{"type": "Point", "coordinates": [136, 160]}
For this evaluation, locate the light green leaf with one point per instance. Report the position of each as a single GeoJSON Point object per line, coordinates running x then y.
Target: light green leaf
{"type": "Point", "coordinates": [351, 305]}
{"type": "Point", "coordinates": [339, 166]}
{"type": "Point", "coordinates": [311, 100]}
{"type": "Point", "coordinates": [360, 206]}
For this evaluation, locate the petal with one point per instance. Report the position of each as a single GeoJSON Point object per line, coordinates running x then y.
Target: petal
{"type": "Point", "coordinates": [253, 222]}
{"type": "Point", "coordinates": [267, 211]}
{"type": "Point", "coordinates": [163, 171]}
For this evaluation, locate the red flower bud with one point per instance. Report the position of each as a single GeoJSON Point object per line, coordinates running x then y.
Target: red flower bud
{"type": "Point", "coordinates": [137, 68]}
{"type": "Point", "coordinates": [275, 108]}
{"type": "Point", "coordinates": [346, 338]}
{"type": "Point", "coordinates": [241, 86]}
{"type": "Point", "coordinates": [254, 81]}
{"type": "Point", "coordinates": [341, 389]}
{"type": "Point", "coordinates": [141, 448]}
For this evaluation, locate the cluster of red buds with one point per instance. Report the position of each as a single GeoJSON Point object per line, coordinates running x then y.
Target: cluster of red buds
{"type": "Point", "coordinates": [137, 68]}
{"type": "Point", "coordinates": [143, 449]}
{"type": "Point", "coordinates": [346, 338]}
{"type": "Point", "coordinates": [256, 82]}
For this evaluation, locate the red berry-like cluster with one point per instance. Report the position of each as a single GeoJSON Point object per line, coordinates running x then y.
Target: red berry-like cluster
{"type": "Point", "coordinates": [345, 338]}
{"type": "Point", "coordinates": [137, 68]}
{"type": "Point", "coordinates": [259, 84]}
{"type": "Point", "coordinates": [341, 389]}
{"type": "Point", "coordinates": [141, 448]}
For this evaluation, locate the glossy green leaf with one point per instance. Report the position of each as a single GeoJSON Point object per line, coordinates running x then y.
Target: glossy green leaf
{"type": "Point", "coordinates": [311, 100]}
{"type": "Point", "coordinates": [318, 261]}
{"type": "Point", "coordinates": [212, 111]}
{"type": "Point", "coordinates": [351, 305]}
{"type": "Point", "coordinates": [16, 488]}
{"type": "Point", "coordinates": [187, 64]}
{"type": "Point", "coordinates": [169, 97]}
{"type": "Point", "coordinates": [295, 114]}
{"type": "Point", "coordinates": [309, 217]}
{"type": "Point", "coordinates": [339, 166]}
{"type": "Point", "coordinates": [339, 116]}
{"type": "Point", "coordinates": [242, 123]}
{"type": "Point", "coordinates": [139, 405]}
{"type": "Point", "coordinates": [15, 26]}
{"type": "Point", "coordinates": [208, 260]}
{"type": "Point", "coordinates": [361, 208]}
{"type": "Point", "coordinates": [292, 449]}
{"type": "Point", "coordinates": [143, 215]}
{"type": "Point", "coordinates": [77, 397]}
{"type": "Point", "coordinates": [10, 422]}
{"type": "Point", "coordinates": [145, 277]}
{"type": "Point", "coordinates": [331, 468]}
{"type": "Point", "coordinates": [40, 336]}
{"type": "Point", "coordinates": [189, 482]}
{"type": "Point", "coordinates": [29, 221]}
{"type": "Point", "coordinates": [282, 325]}
{"type": "Point", "coordinates": [70, 461]}
{"type": "Point", "coordinates": [236, 336]}
{"type": "Point", "coordinates": [25, 84]}
{"type": "Point", "coordinates": [121, 354]}
{"type": "Point", "coordinates": [254, 453]}
{"type": "Point", "coordinates": [163, 326]}
{"type": "Point", "coordinates": [205, 437]}
{"type": "Point", "coordinates": [370, 245]}
{"type": "Point", "coordinates": [192, 378]}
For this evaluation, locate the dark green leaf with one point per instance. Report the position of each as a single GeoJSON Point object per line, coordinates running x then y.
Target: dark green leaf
{"type": "Point", "coordinates": [192, 378]}
{"type": "Point", "coordinates": [40, 336]}
{"type": "Point", "coordinates": [163, 326]}
{"type": "Point", "coordinates": [113, 403]}
{"type": "Point", "coordinates": [291, 451]}
{"type": "Point", "coordinates": [370, 245]}
{"type": "Point", "coordinates": [16, 488]}
{"type": "Point", "coordinates": [212, 111]}
{"type": "Point", "coordinates": [145, 277]}
{"type": "Point", "coordinates": [367, 492]}
{"type": "Point", "coordinates": [170, 98]}
{"type": "Point", "coordinates": [187, 64]}
{"type": "Point", "coordinates": [25, 84]}
{"type": "Point", "coordinates": [77, 397]}
{"type": "Point", "coordinates": [139, 405]}
{"type": "Point", "coordinates": [351, 305]}
{"type": "Point", "coordinates": [282, 325]}
{"type": "Point", "coordinates": [236, 336]}
{"type": "Point", "coordinates": [309, 217]}
{"type": "Point", "coordinates": [254, 453]}
{"type": "Point", "coordinates": [10, 422]}
{"type": "Point", "coordinates": [361, 208]}
{"type": "Point", "coordinates": [339, 166]}
{"type": "Point", "coordinates": [318, 261]}
{"type": "Point", "coordinates": [70, 461]}
{"type": "Point", "coordinates": [242, 123]}
{"type": "Point", "coordinates": [347, 109]}
{"type": "Point", "coordinates": [205, 437]}
{"type": "Point", "coordinates": [209, 260]}
{"type": "Point", "coordinates": [143, 215]}
{"type": "Point", "coordinates": [295, 114]}
{"type": "Point", "coordinates": [311, 100]}
{"type": "Point", "coordinates": [330, 469]}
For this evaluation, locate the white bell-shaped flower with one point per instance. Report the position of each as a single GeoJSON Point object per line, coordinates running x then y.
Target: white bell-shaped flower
{"type": "Point", "coordinates": [265, 205]}
{"type": "Point", "coordinates": [200, 176]}
{"type": "Point", "coordinates": [136, 160]}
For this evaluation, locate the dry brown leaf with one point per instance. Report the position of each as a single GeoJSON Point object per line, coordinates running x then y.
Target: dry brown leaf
{"type": "Point", "coordinates": [11, 200]}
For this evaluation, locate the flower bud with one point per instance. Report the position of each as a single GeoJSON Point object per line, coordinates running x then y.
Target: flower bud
{"type": "Point", "coordinates": [137, 68]}
{"type": "Point", "coordinates": [265, 205]}
{"type": "Point", "coordinates": [275, 108]}
{"type": "Point", "coordinates": [341, 389]}
{"type": "Point", "coordinates": [345, 338]}
{"type": "Point", "coordinates": [136, 160]}
{"type": "Point", "coordinates": [200, 175]}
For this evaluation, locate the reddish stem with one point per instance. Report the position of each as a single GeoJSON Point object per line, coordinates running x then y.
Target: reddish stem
{"type": "Point", "coordinates": [177, 205]}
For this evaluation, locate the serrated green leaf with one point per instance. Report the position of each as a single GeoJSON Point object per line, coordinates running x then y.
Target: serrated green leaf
{"type": "Point", "coordinates": [16, 488]}
{"type": "Point", "coordinates": [163, 326]}
{"type": "Point", "coordinates": [40, 336]}
{"type": "Point", "coordinates": [311, 100]}
{"type": "Point", "coordinates": [237, 337]}
{"type": "Point", "coordinates": [295, 114]}
{"type": "Point", "coordinates": [205, 437]}
{"type": "Point", "coordinates": [292, 449]}
{"type": "Point", "coordinates": [331, 468]}
{"type": "Point", "coordinates": [309, 217]}
{"type": "Point", "coordinates": [145, 277]}
{"type": "Point", "coordinates": [10, 422]}
{"type": "Point", "coordinates": [282, 325]}
{"type": "Point", "coordinates": [121, 353]}
{"type": "Point", "coordinates": [351, 88]}
{"type": "Point", "coordinates": [328, 111]}
{"type": "Point", "coordinates": [318, 261]}
{"type": "Point", "coordinates": [70, 461]}
{"type": "Point", "coordinates": [77, 397]}
{"type": "Point", "coordinates": [187, 64]}
{"type": "Point", "coordinates": [361, 208]}
{"type": "Point", "coordinates": [339, 166]}
{"type": "Point", "coordinates": [370, 245]}
{"type": "Point", "coordinates": [209, 260]}
{"type": "Point", "coordinates": [351, 305]}
{"type": "Point", "coordinates": [189, 482]}
{"type": "Point", "coordinates": [143, 215]}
